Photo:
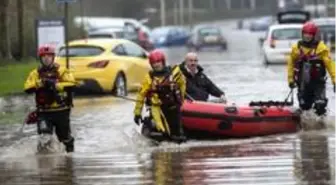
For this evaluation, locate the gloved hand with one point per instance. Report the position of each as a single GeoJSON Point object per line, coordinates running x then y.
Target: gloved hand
{"type": "Point", "coordinates": [223, 99]}
{"type": "Point", "coordinates": [137, 119]}
{"type": "Point", "coordinates": [49, 84]}
{"type": "Point", "coordinates": [291, 85]}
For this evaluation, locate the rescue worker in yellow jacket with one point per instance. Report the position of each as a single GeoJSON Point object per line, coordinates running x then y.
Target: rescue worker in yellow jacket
{"type": "Point", "coordinates": [52, 86]}
{"type": "Point", "coordinates": [163, 90]}
{"type": "Point", "coordinates": [307, 65]}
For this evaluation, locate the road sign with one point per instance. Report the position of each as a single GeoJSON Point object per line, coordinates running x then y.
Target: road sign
{"type": "Point", "coordinates": [51, 32]}
{"type": "Point", "coordinates": [66, 1]}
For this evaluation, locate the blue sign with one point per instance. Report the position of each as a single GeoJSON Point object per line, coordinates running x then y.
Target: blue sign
{"type": "Point", "coordinates": [66, 1]}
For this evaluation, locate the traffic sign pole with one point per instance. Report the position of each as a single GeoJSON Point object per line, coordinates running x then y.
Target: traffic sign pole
{"type": "Point", "coordinates": [66, 20]}
{"type": "Point", "coordinates": [66, 34]}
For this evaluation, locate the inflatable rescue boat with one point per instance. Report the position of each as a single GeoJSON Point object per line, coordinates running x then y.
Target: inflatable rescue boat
{"type": "Point", "coordinates": [207, 120]}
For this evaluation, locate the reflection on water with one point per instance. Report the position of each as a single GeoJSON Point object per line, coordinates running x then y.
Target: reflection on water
{"type": "Point", "coordinates": [38, 170]}
{"type": "Point", "coordinates": [264, 162]}
{"type": "Point", "coordinates": [313, 163]}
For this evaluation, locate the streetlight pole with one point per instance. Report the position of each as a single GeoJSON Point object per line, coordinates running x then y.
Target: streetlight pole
{"type": "Point", "coordinates": [316, 9]}
{"type": "Point", "coordinates": [43, 6]}
{"type": "Point", "coordinates": [190, 12]}
{"type": "Point", "coordinates": [163, 12]}
{"type": "Point", "coordinates": [181, 12]}
{"type": "Point", "coordinates": [175, 12]}
{"type": "Point", "coordinates": [326, 7]}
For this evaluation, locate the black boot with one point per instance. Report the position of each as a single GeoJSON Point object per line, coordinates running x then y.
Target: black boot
{"type": "Point", "coordinates": [178, 138]}
{"type": "Point", "coordinates": [69, 145]}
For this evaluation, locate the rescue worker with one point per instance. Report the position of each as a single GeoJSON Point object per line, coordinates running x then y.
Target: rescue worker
{"type": "Point", "coordinates": [52, 85]}
{"type": "Point", "coordinates": [199, 86]}
{"type": "Point", "coordinates": [163, 89]}
{"type": "Point", "coordinates": [307, 65]}
{"type": "Point", "coordinates": [142, 37]}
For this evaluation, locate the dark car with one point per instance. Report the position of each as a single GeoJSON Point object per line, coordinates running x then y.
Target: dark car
{"type": "Point", "coordinates": [206, 36]}
{"type": "Point", "coordinates": [262, 24]}
{"type": "Point", "coordinates": [169, 36]}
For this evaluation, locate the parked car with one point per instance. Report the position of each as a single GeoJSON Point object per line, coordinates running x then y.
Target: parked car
{"type": "Point", "coordinates": [107, 33]}
{"type": "Point", "coordinates": [105, 26]}
{"type": "Point", "coordinates": [169, 36]}
{"type": "Point", "coordinates": [206, 36]}
{"type": "Point", "coordinates": [261, 24]}
{"type": "Point", "coordinates": [280, 37]}
{"type": "Point", "coordinates": [327, 30]}
{"type": "Point", "coordinates": [106, 65]}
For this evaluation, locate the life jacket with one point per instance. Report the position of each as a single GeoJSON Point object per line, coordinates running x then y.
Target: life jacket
{"type": "Point", "coordinates": [46, 97]}
{"type": "Point", "coordinates": [167, 89]}
{"type": "Point", "coordinates": [142, 36]}
{"type": "Point", "coordinates": [309, 68]}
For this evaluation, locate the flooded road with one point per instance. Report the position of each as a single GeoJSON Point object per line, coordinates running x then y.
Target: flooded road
{"type": "Point", "coordinates": [110, 151]}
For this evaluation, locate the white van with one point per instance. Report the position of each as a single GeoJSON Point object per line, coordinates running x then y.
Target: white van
{"type": "Point", "coordinates": [111, 25]}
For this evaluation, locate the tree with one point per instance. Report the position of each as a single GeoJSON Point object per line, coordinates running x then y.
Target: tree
{"type": "Point", "coordinates": [20, 29]}
{"type": "Point", "coordinates": [5, 48]}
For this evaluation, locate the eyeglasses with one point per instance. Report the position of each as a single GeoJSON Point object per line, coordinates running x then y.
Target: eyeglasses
{"type": "Point", "coordinates": [191, 60]}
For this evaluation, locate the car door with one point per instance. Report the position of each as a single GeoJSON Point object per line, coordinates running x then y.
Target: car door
{"type": "Point", "coordinates": [139, 62]}
{"type": "Point", "coordinates": [127, 65]}
{"type": "Point", "coordinates": [182, 36]}
{"type": "Point", "coordinates": [172, 38]}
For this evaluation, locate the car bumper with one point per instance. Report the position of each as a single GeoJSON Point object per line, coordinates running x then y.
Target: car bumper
{"type": "Point", "coordinates": [279, 57]}
{"type": "Point", "coordinates": [88, 86]}
{"type": "Point", "coordinates": [95, 81]}
{"type": "Point", "coordinates": [212, 44]}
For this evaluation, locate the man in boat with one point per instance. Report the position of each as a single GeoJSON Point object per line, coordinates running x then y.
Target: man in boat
{"type": "Point", "coordinates": [163, 89]}
{"type": "Point", "coordinates": [52, 85]}
{"type": "Point", "coordinates": [307, 65]}
{"type": "Point", "coordinates": [199, 86]}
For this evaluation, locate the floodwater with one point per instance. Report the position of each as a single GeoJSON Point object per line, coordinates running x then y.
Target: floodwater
{"type": "Point", "coordinates": [109, 150]}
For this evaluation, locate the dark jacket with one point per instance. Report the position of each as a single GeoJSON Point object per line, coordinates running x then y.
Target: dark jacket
{"type": "Point", "coordinates": [199, 86]}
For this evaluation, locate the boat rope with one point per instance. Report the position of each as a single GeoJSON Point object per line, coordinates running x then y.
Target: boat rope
{"type": "Point", "coordinates": [269, 103]}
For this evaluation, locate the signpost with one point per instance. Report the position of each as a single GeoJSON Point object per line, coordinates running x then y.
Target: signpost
{"type": "Point", "coordinates": [66, 16]}
{"type": "Point", "coordinates": [50, 31]}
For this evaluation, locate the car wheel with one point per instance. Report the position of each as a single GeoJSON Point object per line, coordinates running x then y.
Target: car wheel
{"type": "Point", "coordinates": [224, 47]}
{"type": "Point", "coordinates": [265, 61]}
{"type": "Point", "coordinates": [197, 48]}
{"type": "Point", "coordinates": [120, 85]}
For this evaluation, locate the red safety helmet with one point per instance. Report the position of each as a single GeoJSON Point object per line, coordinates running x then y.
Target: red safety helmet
{"type": "Point", "coordinates": [310, 28]}
{"type": "Point", "coordinates": [46, 50]}
{"type": "Point", "coordinates": [156, 56]}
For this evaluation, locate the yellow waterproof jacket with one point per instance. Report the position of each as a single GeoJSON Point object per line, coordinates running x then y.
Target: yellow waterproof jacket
{"type": "Point", "coordinates": [65, 80]}
{"type": "Point", "coordinates": [322, 53]}
{"type": "Point", "coordinates": [177, 77]}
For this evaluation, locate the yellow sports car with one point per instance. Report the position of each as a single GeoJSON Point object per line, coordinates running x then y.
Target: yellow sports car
{"type": "Point", "coordinates": [106, 65]}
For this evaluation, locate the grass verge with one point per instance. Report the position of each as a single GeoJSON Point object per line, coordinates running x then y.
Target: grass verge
{"type": "Point", "coordinates": [13, 75]}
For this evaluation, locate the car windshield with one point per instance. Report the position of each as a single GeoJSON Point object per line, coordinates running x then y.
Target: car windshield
{"type": "Point", "coordinates": [81, 51]}
{"type": "Point", "coordinates": [107, 35]}
{"type": "Point", "coordinates": [209, 31]}
{"type": "Point", "coordinates": [287, 34]}
{"type": "Point", "coordinates": [101, 35]}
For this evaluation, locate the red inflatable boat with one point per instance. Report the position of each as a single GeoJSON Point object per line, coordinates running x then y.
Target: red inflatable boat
{"type": "Point", "coordinates": [214, 119]}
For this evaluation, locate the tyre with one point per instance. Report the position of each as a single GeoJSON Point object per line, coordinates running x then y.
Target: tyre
{"type": "Point", "coordinates": [265, 60]}
{"type": "Point", "coordinates": [224, 47]}
{"type": "Point", "coordinates": [120, 86]}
